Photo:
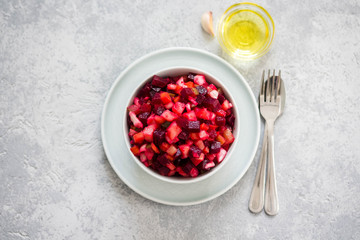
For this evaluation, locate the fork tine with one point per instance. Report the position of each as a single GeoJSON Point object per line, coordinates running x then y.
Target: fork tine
{"type": "Point", "coordinates": [262, 89]}
{"type": "Point", "coordinates": [278, 84]}
{"type": "Point", "coordinates": [273, 80]}
{"type": "Point", "coordinates": [267, 95]}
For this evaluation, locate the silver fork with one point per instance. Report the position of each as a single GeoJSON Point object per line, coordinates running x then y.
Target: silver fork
{"type": "Point", "coordinates": [272, 100]}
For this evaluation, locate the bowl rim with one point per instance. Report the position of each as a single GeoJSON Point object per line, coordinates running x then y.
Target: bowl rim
{"type": "Point", "coordinates": [263, 12]}
{"type": "Point", "coordinates": [179, 180]}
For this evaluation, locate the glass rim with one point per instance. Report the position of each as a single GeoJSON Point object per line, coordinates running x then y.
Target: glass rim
{"type": "Point", "coordinates": [268, 21]}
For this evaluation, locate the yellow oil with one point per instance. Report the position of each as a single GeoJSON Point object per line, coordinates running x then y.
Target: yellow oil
{"type": "Point", "coordinates": [244, 32]}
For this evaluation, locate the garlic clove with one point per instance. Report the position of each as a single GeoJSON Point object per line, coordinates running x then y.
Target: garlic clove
{"type": "Point", "coordinates": [207, 23]}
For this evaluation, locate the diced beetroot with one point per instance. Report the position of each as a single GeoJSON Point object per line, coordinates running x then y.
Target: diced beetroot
{"type": "Point", "coordinates": [169, 105]}
{"type": "Point", "coordinates": [171, 173]}
{"type": "Point", "coordinates": [156, 99]}
{"type": "Point", "coordinates": [181, 172]}
{"type": "Point", "coordinates": [159, 120]}
{"type": "Point", "coordinates": [134, 108]}
{"type": "Point", "coordinates": [214, 94]}
{"type": "Point", "coordinates": [212, 134]}
{"type": "Point", "coordinates": [132, 132]}
{"type": "Point", "coordinates": [212, 117]}
{"type": "Point", "coordinates": [143, 117]}
{"type": "Point", "coordinates": [221, 98]}
{"type": "Point", "coordinates": [194, 136]}
{"type": "Point", "coordinates": [149, 153]}
{"type": "Point", "coordinates": [154, 148]}
{"type": "Point", "coordinates": [206, 150]}
{"type": "Point", "coordinates": [212, 104]}
{"type": "Point", "coordinates": [191, 170]}
{"type": "Point", "coordinates": [211, 87]}
{"type": "Point", "coordinates": [145, 108]}
{"type": "Point", "coordinates": [220, 121]}
{"type": "Point", "coordinates": [143, 148]}
{"type": "Point", "coordinates": [137, 123]}
{"type": "Point", "coordinates": [171, 86]}
{"type": "Point", "coordinates": [163, 160]}
{"type": "Point", "coordinates": [204, 126]}
{"type": "Point", "coordinates": [193, 126]}
{"type": "Point", "coordinates": [135, 150]}
{"type": "Point", "coordinates": [221, 155]}
{"type": "Point", "coordinates": [144, 91]}
{"type": "Point", "coordinates": [183, 135]}
{"type": "Point", "coordinates": [189, 142]}
{"type": "Point", "coordinates": [215, 147]}
{"type": "Point", "coordinates": [211, 157]}
{"type": "Point", "coordinates": [230, 120]}
{"type": "Point", "coordinates": [181, 82]}
{"type": "Point", "coordinates": [182, 122]}
{"type": "Point", "coordinates": [203, 113]}
{"type": "Point", "coordinates": [226, 105]}
{"type": "Point", "coordinates": [146, 163]}
{"type": "Point", "coordinates": [173, 130]}
{"type": "Point", "coordinates": [198, 160]}
{"type": "Point", "coordinates": [165, 97]}
{"type": "Point", "coordinates": [164, 146]}
{"type": "Point", "coordinates": [169, 116]}
{"type": "Point", "coordinates": [149, 131]}
{"type": "Point", "coordinates": [186, 93]}
{"type": "Point", "coordinates": [229, 137]}
{"type": "Point", "coordinates": [199, 79]}
{"type": "Point", "coordinates": [200, 144]}
{"type": "Point", "coordinates": [151, 119]}
{"type": "Point", "coordinates": [203, 135]}
{"type": "Point", "coordinates": [207, 165]}
{"type": "Point", "coordinates": [143, 157]}
{"type": "Point", "coordinates": [163, 171]}
{"type": "Point", "coordinates": [159, 109]}
{"type": "Point", "coordinates": [137, 101]}
{"type": "Point", "coordinates": [159, 136]}
{"type": "Point", "coordinates": [178, 108]}
{"type": "Point", "coordinates": [221, 113]}
{"type": "Point", "coordinates": [192, 101]}
{"type": "Point", "coordinates": [171, 150]}
{"type": "Point", "coordinates": [200, 99]}
{"type": "Point", "coordinates": [195, 151]}
{"type": "Point", "coordinates": [159, 82]}
{"type": "Point", "coordinates": [190, 115]}
{"type": "Point", "coordinates": [184, 151]}
{"type": "Point", "coordinates": [178, 90]}
{"type": "Point", "coordinates": [138, 138]}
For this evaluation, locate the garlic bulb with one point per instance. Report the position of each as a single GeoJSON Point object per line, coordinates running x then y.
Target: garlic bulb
{"type": "Point", "coordinates": [207, 23]}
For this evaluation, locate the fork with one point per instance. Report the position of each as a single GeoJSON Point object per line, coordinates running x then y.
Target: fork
{"type": "Point", "coordinates": [271, 106]}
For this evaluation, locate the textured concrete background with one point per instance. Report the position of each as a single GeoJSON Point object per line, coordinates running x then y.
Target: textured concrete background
{"type": "Point", "coordinates": [58, 60]}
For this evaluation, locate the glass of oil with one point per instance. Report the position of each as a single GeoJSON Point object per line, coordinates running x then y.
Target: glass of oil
{"type": "Point", "coordinates": [246, 31]}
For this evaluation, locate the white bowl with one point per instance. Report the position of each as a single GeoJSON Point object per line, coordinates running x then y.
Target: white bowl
{"type": "Point", "coordinates": [171, 72]}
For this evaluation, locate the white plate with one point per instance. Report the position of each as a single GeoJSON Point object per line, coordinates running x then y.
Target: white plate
{"type": "Point", "coordinates": [171, 193]}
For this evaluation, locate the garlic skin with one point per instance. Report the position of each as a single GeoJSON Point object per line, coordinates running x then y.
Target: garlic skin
{"type": "Point", "coordinates": [207, 23]}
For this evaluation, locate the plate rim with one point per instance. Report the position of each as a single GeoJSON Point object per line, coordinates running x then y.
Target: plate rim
{"type": "Point", "coordinates": [106, 103]}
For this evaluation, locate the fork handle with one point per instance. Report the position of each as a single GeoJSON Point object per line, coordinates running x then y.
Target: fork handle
{"type": "Point", "coordinates": [256, 203]}
{"type": "Point", "coordinates": [271, 197]}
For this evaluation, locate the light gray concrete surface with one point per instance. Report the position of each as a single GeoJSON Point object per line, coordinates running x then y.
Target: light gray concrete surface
{"type": "Point", "coordinates": [58, 60]}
